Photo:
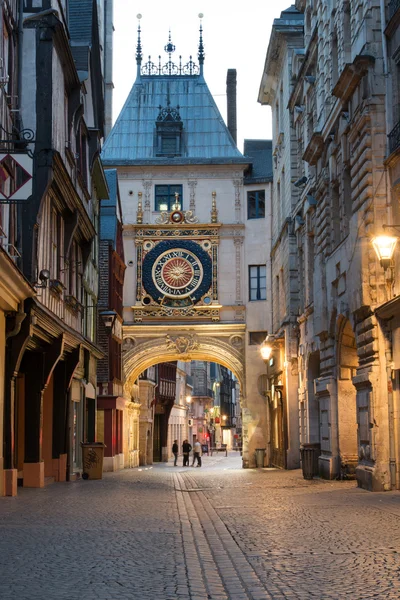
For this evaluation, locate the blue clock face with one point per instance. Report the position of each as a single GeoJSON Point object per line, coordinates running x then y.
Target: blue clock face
{"type": "Point", "coordinates": [177, 273]}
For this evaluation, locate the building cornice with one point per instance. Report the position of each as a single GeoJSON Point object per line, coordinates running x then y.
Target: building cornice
{"type": "Point", "coordinates": [175, 162]}
{"type": "Point", "coordinates": [14, 287]}
{"type": "Point", "coordinates": [351, 76]}
{"type": "Point", "coordinates": [282, 30]}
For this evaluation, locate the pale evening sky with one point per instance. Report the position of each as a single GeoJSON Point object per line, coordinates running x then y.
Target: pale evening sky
{"type": "Point", "coordinates": [235, 36]}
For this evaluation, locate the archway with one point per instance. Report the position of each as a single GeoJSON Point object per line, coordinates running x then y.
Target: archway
{"type": "Point", "coordinates": [312, 410]}
{"type": "Point", "coordinates": [143, 350]}
{"type": "Point", "coordinates": [346, 398]}
{"type": "Point", "coordinates": [147, 345]}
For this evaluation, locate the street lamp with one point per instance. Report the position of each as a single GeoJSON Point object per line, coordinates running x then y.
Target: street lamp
{"type": "Point", "coordinates": [224, 417]}
{"type": "Point", "coordinates": [266, 349]}
{"type": "Point", "coordinates": [108, 317]}
{"type": "Point", "coordinates": [188, 399]}
{"type": "Point", "coordinates": [384, 246]}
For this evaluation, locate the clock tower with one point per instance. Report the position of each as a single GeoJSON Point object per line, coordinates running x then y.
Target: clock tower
{"type": "Point", "coordinates": [196, 254]}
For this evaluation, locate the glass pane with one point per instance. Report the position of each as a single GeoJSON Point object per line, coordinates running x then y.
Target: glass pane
{"type": "Point", "coordinates": [161, 189]}
{"type": "Point", "coordinates": [168, 145]}
{"type": "Point", "coordinates": [253, 294]}
{"type": "Point", "coordinates": [263, 271]}
{"type": "Point", "coordinates": [162, 203]}
{"type": "Point", "coordinates": [261, 205]}
{"type": "Point", "coordinates": [251, 206]}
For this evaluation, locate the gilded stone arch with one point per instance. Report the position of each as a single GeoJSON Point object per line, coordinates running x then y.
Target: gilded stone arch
{"type": "Point", "coordinates": [185, 347]}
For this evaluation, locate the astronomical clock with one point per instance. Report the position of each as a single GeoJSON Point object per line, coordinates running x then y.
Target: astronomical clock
{"type": "Point", "coordinates": [177, 267]}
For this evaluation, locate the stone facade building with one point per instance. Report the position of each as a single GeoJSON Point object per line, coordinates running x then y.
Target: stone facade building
{"type": "Point", "coordinates": [328, 78]}
{"type": "Point", "coordinates": [282, 369]}
{"type": "Point", "coordinates": [183, 189]}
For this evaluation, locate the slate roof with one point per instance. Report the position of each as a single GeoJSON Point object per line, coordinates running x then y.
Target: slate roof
{"type": "Point", "coordinates": [260, 154]}
{"type": "Point", "coordinates": [80, 16]}
{"type": "Point", "coordinates": [205, 136]}
{"type": "Point", "coordinates": [80, 26]}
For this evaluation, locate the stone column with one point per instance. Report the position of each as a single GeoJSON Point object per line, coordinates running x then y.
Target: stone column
{"type": "Point", "coordinates": [192, 183]}
{"type": "Point", "coordinates": [238, 242]}
{"type": "Point", "coordinates": [238, 185]}
{"type": "Point", "coordinates": [33, 463]}
{"type": "Point", "coordinates": [147, 201]}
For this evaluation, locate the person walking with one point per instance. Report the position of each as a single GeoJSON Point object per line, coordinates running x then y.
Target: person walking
{"type": "Point", "coordinates": [175, 449]}
{"type": "Point", "coordinates": [186, 448]}
{"type": "Point", "coordinates": [197, 453]}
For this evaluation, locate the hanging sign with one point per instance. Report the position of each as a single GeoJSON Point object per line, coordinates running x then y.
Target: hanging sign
{"type": "Point", "coordinates": [16, 170]}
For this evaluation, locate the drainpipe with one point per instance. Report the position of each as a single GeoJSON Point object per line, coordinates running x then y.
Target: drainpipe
{"type": "Point", "coordinates": [388, 94]}
{"type": "Point", "coordinates": [19, 317]}
{"type": "Point", "coordinates": [9, 395]}
{"type": "Point", "coordinates": [392, 446]}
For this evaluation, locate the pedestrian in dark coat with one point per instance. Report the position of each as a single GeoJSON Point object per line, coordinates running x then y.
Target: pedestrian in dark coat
{"type": "Point", "coordinates": [175, 449]}
{"type": "Point", "coordinates": [186, 448]}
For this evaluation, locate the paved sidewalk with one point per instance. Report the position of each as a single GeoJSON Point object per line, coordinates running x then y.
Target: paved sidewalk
{"type": "Point", "coordinates": [213, 533]}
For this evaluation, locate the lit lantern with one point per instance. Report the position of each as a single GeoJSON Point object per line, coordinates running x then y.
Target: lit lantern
{"type": "Point", "coordinates": [384, 246]}
{"type": "Point", "coordinates": [266, 350]}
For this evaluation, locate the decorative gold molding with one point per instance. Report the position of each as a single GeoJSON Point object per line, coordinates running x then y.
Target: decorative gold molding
{"type": "Point", "coordinates": [139, 214]}
{"type": "Point", "coordinates": [214, 211]}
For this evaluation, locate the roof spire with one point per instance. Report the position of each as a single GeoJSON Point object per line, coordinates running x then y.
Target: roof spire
{"type": "Point", "coordinates": [201, 54]}
{"type": "Point", "coordinates": [139, 47]}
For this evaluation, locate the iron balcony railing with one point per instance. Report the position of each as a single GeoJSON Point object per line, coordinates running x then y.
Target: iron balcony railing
{"type": "Point", "coordinates": [394, 136]}
{"type": "Point", "coordinates": [394, 6]}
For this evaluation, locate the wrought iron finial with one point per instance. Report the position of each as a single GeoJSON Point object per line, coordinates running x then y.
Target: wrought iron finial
{"type": "Point", "coordinates": [169, 48]}
{"type": "Point", "coordinates": [139, 213]}
{"type": "Point", "coordinates": [139, 43]}
{"type": "Point", "coordinates": [170, 68]}
{"type": "Point", "coordinates": [214, 211]}
{"type": "Point", "coordinates": [201, 54]}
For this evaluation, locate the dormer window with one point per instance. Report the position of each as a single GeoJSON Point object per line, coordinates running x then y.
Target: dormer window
{"type": "Point", "coordinates": [168, 132]}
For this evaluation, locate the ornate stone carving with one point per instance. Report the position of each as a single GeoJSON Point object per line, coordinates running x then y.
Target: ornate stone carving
{"type": "Point", "coordinates": [192, 186]}
{"type": "Point", "coordinates": [139, 214]}
{"type": "Point", "coordinates": [163, 218]}
{"type": "Point", "coordinates": [147, 184]}
{"type": "Point", "coordinates": [188, 217]}
{"type": "Point", "coordinates": [238, 242]}
{"type": "Point", "coordinates": [214, 211]}
{"type": "Point", "coordinates": [236, 341]}
{"type": "Point", "coordinates": [238, 190]}
{"type": "Point", "coordinates": [128, 344]}
{"type": "Point", "coordinates": [182, 344]}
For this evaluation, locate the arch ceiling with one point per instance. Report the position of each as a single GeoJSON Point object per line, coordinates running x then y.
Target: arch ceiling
{"type": "Point", "coordinates": [142, 354]}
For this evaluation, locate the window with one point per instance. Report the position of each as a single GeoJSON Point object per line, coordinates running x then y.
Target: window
{"type": "Point", "coordinates": [169, 128]}
{"type": "Point", "coordinates": [169, 144]}
{"type": "Point", "coordinates": [75, 271]}
{"type": "Point", "coordinates": [257, 282]}
{"type": "Point", "coordinates": [257, 337]}
{"type": "Point", "coordinates": [165, 197]}
{"type": "Point", "coordinates": [256, 204]}
{"type": "Point", "coordinates": [55, 244]}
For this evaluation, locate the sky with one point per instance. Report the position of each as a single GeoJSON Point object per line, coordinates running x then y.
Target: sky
{"type": "Point", "coordinates": [235, 36]}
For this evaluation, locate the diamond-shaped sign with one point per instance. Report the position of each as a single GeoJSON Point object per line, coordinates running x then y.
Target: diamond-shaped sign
{"type": "Point", "coordinates": [15, 177]}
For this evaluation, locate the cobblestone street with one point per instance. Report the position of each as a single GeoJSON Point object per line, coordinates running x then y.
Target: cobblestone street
{"type": "Point", "coordinates": [213, 533]}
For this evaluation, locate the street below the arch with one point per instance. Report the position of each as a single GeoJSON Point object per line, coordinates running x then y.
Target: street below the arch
{"type": "Point", "coordinates": [213, 533]}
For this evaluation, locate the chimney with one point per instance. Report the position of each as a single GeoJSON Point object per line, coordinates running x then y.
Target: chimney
{"type": "Point", "coordinates": [231, 102]}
